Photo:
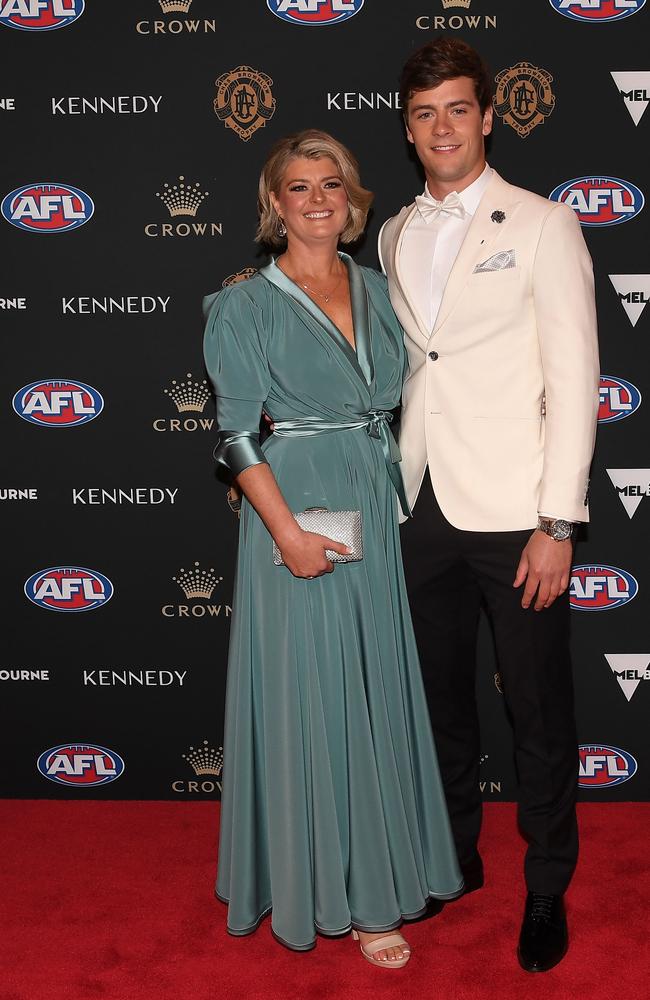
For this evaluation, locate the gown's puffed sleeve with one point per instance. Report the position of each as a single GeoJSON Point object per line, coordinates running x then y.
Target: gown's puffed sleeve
{"type": "Point", "coordinates": [234, 347]}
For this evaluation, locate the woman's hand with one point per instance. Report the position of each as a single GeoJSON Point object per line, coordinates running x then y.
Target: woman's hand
{"type": "Point", "coordinates": [304, 554]}
{"type": "Point", "coordinates": [303, 551]}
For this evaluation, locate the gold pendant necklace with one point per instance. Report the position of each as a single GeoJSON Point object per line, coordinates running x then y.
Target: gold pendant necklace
{"type": "Point", "coordinates": [326, 295]}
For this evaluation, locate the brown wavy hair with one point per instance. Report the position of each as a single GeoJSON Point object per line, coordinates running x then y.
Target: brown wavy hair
{"type": "Point", "coordinates": [440, 60]}
{"type": "Point", "coordinates": [313, 145]}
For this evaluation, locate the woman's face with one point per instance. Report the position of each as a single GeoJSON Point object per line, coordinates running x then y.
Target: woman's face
{"type": "Point", "coordinates": [312, 200]}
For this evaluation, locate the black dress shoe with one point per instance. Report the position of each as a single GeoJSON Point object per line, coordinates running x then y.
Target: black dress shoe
{"type": "Point", "coordinates": [544, 938]}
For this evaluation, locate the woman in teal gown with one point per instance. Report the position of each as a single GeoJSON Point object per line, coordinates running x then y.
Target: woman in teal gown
{"type": "Point", "coordinates": [333, 815]}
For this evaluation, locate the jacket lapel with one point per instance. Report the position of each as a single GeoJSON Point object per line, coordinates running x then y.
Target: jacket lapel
{"type": "Point", "coordinates": [480, 236]}
{"type": "Point", "coordinates": [405, 217]}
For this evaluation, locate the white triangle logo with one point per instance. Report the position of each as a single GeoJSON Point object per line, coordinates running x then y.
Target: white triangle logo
{"type": "Point", "coordinates": [629, 669]}
{"type": "Point", "coordinates": [633, 291]}
{"type": "Point", "coordinates": [634, 88]}
{"type": "Point", "coordinates": [632, 485]}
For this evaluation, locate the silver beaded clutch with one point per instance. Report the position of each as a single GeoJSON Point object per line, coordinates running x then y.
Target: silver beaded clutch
{"type": "Point", "coordinates": [341, 525]}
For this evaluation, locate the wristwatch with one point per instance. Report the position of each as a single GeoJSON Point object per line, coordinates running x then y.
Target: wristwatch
{"type": "Point", "coordinates": [556, 528]}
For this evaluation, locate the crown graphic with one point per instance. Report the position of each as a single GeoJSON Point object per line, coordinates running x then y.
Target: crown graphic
{"type": "Point", "coordinates": [205, 759]}
{"type": "Point", "coordinates": [171, 6]}
{"type": "Point", "coordinates": [197, 582]}
{"type": "Point", "coordinates": [189, 395]}
{"type": "Point", "coordinates": [182, 198]}
{"type": "Point", "coordinates": [456, 3]}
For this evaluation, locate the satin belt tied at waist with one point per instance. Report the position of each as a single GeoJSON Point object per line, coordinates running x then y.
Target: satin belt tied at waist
{"type": "Point", "coordinates": [376, 423]}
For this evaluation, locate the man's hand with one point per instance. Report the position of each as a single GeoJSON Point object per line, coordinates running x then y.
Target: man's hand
{"type": "Point", "coordinates": [545, 565]}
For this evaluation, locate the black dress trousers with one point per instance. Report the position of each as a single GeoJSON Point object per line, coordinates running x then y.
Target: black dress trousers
{"type": "Point", "coordinates": [449, 574]}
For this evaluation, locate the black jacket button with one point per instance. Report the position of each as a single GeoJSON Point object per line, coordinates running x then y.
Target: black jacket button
{"type": "Point", "coordinates": [433, 355]}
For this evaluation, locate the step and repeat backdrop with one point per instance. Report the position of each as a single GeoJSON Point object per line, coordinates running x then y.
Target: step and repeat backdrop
{"type": "Point", "coordinates": [134, 135]}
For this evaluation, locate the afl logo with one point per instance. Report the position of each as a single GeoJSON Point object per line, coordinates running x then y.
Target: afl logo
{"type": "Point", "coordinates": [600, 588]}
{"type": "Point", "coordinates": [600, 201]}
{"type": "Point", "coordinates": [58, 403]}
{"type": "Point", "coordinates": [316, 12]}
{"type": "Point", "coordinates": [617, 399]}
{"type": "Point", "coordinates": [69, 588]}
{"type": "Point", "coordinates": [40, 15]}
{"type": "Point", "coordinates": [597, 10]}
{"type": "Point", "coordinates": [47, 208]}
{"type": "Point", "coordinates": [604, 767]}
{"type": "Point", "coordinates": [80, 764]}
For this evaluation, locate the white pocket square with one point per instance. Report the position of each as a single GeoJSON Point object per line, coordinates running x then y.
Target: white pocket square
{"type": "Point", "coordinates": [499, 262]}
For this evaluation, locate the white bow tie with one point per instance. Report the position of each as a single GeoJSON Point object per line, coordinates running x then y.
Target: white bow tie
{"type": "Point", "coordinates": [430, 209]}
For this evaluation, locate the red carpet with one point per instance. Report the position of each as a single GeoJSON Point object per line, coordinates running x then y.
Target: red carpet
{"type": "Point", "coordinates": [113, 900]}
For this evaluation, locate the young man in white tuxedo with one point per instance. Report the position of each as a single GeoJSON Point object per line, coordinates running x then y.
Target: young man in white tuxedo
{"type": "Point", "coordinates": [494, 287]}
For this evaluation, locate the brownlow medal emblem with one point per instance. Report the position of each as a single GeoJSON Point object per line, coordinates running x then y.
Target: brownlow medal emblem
{"type": "Point", "coordinates": [234, 279]}
{"type": "Point", "coordinates": [244, 101]}
{"type": "Point", "coordinates": [524, 97]}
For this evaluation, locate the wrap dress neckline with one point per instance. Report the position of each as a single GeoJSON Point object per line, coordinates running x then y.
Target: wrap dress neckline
{"type": "Point", "coordinates": [375, 421]}
{"type": "Point", "coordinates": [361, 357]}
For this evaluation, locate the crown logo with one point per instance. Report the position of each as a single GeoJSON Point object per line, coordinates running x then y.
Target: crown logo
{"type": "Point", "coordinates": [456, 3]}
{"type": "Point", "coordinates": [205, 759]}
{"type": "Point", "coordinates": [189, 395]}
{"type": "Point", "coordinates": [182, 198]}
{"type": "Point", "coordinates": [172, 6]}
{"type": "Point", "coordinates": [197, 582]}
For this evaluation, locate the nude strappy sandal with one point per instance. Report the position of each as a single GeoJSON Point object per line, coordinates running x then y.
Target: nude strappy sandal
{"type": "Point", "coordinates": [389, 941]}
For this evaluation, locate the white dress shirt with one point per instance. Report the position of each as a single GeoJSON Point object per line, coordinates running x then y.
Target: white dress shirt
{"type": "Point", "coordinates": [430, 247]}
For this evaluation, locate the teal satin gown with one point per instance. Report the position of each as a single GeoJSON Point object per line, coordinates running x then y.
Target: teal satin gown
{"type": "Point", "coordinates": [332, 813]}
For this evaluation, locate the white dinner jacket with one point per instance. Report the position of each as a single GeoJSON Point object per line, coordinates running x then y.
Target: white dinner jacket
{"type": "Point", "coordinates": [501, 397]}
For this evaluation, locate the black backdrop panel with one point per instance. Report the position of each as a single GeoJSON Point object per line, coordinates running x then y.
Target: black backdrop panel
{"type": "Point", "coordinates": [133, 137]}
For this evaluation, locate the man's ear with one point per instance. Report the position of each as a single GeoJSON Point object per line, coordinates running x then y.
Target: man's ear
{"type": "Point", "coordinates": [409, 134]}
{"type": "Point", "coordinates": [487, 120]}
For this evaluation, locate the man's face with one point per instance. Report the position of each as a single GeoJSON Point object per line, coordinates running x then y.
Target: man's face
{"type": "Point", "coordinates": [447, 128]}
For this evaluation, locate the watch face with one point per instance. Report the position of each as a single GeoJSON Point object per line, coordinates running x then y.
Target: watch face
{"type": "Point", "coordinates": [561, 530]}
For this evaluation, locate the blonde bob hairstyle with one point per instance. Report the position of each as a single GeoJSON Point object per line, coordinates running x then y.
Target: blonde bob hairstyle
{"type": "Point", "coordinates": [313, 145]}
